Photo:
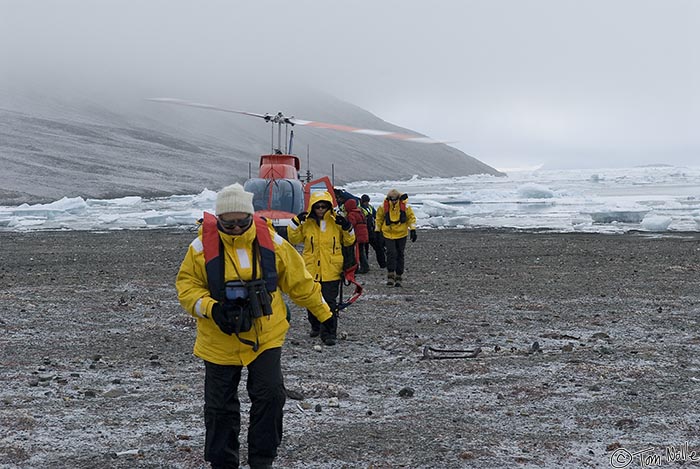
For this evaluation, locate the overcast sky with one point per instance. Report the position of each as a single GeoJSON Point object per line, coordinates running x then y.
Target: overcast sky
{"type": "Point", "coordinates": [565, 83]}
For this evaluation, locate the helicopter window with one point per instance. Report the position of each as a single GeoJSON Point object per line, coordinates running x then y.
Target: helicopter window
{"type": "Point", "coordinates": [286, 195]}
{"type": "Point", "coordinates": [318, 187]}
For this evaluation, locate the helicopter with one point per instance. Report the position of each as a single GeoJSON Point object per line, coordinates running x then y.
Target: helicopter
{"type": "Point", "coordinates": [279, 193]}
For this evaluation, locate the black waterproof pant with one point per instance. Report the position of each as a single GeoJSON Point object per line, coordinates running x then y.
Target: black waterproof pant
{"type": "Point", "coordinates": [364, 264]}
{"type": "Point", "coordinates": [222, 410]}
{"type": "Point", "coordinates": [395, 254]}
{"type": "Point", "coordinates": [377, 243]}
{"type": "Point", "coordinates": [329, 290]}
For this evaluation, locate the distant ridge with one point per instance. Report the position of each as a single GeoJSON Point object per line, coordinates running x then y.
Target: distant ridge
{"type": "Point", "coordinates": [51, 147]}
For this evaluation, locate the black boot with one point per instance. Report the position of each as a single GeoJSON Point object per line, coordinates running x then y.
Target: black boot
{"type": "Point", "coordinates": [329, 329]}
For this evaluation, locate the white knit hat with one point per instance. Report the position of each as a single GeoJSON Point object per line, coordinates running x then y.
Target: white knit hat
{"type": "Point", "coordinates": [234, 199]}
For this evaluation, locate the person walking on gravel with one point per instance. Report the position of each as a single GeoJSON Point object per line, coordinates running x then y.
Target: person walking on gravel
{"type": "Point", "coordinates": [231, 281]}
{"type": "Point", "coordinates": [375, 238]}
{"type": "Point", "coordinates": [359, 223]}
{"type": "Point", "coordinates": [324, 234]}
{"type": "Point", "coordinates": [395, 222]}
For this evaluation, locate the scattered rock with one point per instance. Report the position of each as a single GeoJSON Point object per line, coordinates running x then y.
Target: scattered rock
{"type": "Point", "coordinates": [471, 398]}
{"type": "Point", "coordinates": [115, 393]}
{"type": "Point", "coordinates": [613, 446]}
{"type": "Point", "coordinates": [296, 395]}
{"type": "Point", "coordinates": [129, 452]}
{"type": "Point", "coordinates": [626, 423]}
{"type": "Point", "coordinates": [406, 392]}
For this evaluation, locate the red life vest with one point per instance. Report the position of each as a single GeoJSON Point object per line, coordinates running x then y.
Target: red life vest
{"type": "Point", "coordinates": [214, 259]}
{"type": "Point", "coordinates": [402, 216]}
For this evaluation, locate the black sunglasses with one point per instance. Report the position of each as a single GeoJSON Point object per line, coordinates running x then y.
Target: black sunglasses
{"type": "Point", "coordinates": [393, 199]}
{"type": "Point", "coordinates": [230, 224]}
{"type": "Point", "coordinates": [323, 206]}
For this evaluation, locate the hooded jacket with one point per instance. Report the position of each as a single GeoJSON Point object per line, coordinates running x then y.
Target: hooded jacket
{"type": "Point", "coordinates": [192, 286]}
{"type": "Point", "coordinates": [323, 241]}
{"type": "Point", "coordinates": [358, 221]}
{"type": "Point", "coordinates": [397, 229]}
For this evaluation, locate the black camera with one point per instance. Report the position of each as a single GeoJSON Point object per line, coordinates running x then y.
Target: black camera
{"type": "Point", "coordinates": [259, 297]}
{"type": "Point", "coordinates": [246, 301]}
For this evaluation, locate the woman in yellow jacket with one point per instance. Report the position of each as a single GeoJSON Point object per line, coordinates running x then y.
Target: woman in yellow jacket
{"type": "Point", "coordinates": [395, 221]}
{"type": "Point", "coordinates": [239, 265]}
{"type": "Point", "coordinates": [324, 234]}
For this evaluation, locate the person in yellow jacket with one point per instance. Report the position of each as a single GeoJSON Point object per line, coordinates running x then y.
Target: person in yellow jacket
{"type": "Point", "coordinates": [395, 221]}
{"type": "Point", "coordinates": [231, 281]}
{"type": "Point", "coordinates": [324, 234]}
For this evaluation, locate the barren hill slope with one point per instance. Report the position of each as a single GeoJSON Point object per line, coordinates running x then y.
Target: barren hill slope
{"type": "Point", "coordinates": [52, 146]}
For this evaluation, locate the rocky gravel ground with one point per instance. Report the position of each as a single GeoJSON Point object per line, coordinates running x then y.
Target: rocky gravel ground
{"type": "Point", "coordinates": [503, 349]}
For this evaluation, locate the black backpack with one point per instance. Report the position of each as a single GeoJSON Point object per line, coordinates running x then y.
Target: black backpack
{"type": "Point", "coordinates": [369, 219]}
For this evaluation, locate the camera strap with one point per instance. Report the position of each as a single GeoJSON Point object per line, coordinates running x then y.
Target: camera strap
{"type": "Point", "coordinates": [254, 266]}
{"type": "Point", "coordinates": [256, 344]}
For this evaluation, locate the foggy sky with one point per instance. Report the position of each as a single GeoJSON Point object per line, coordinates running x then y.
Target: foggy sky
{"type": "Point", "coordinates": [564, 83]}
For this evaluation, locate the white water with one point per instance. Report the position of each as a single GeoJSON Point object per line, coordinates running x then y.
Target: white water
{"type": "Point", "coordinates": [658, 199]}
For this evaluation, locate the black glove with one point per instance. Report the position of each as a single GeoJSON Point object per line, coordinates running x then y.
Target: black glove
{"type": "Point", "coordinates": [343, 222]}
{"type": "Point", "coordinates": [414, 236]}
{"type": "Point", "coordinates": [302, 217]}
{"type": "Point", "coordinates": [222, 319]}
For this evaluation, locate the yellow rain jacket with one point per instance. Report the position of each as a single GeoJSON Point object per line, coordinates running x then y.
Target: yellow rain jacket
{"type": "Point", "coordinates": [396, 229]}
{"type": "Point", "coordinates": [323, 241]}
{"type": "Point", "coordinates": [192, 286]}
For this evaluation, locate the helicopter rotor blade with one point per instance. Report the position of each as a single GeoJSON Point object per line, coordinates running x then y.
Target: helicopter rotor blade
{"type": "Point", "coordinates": [373, 132]}
{"type": "Point", "coordinates": [181, 102]}
{"type": "Point", "coordinates": [279, 118]}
